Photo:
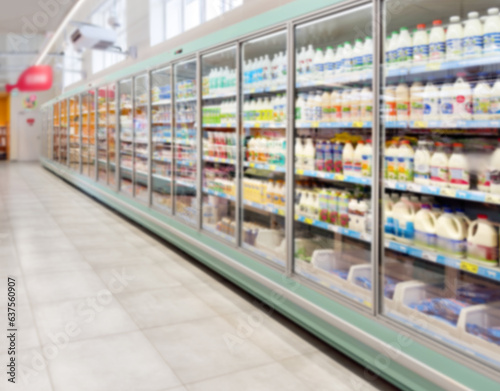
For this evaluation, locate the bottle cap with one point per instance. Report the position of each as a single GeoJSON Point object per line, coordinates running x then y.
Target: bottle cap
{"type": "Point", "coordinates": [473, 15]}
{"type": "Point", "coordinates": [439, 144]}
{"type": "Point", "coordinates": [455, 19]}
{"type": "Point", "coordinates": [493, 11]}
{"type": "Point", "coordinates": [426, 206]}
{"type": "Point", "coordinates": [482, 217]}
{"type": "Point", "coordinates": [358, 40]}
{"type": "Point", "coordinates": [405, 142]}
{"type": "Point", "coordinates": [421, 26]}
{"type": "Point", "coordinates": [458, 145]}
{"type": "Point", "coordinates": [403, 29]}
{"type": "Point", "coordinates": [437, 22]}
{"type": "Point", "coordinates": [447, 210]}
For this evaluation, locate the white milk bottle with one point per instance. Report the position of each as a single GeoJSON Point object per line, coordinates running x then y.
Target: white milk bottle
{"type": "Point", "coordinates": [339, 59]}
{"type": "Point", "coordinates": [393, 48]}
{"type": "Point", "coordinates": [347, 57]}
{"type": "Point", "coordinates": [348, 158]}
{"type": "Point", "coordinates": [404, 220]}
{"type": "Point", "coordinates": [417, 101]}
{"type": "Point", "coordinates": [420, 44]}
{"type": "Point", "coordinates": [355, 104]}
{"type": "Point", "coordinates": [492, 33]}
{"type": "Point", "coordinates": [437, 41]}
{"type": "Point", "coordinates": [495, 171]}
{"type": "Point", "coordinates": [366, 103]}
{"type": "Point", "coordinates": [431, 102]}
{"type": "Point", "coordinates": [454, 39]}
{"type": "Point", "coordinates": [439, 166]}
{"type": "Point", "coordinates": [405, 46]}
{"type": "Point", "coordinates": [301, 66]}
{"type": "Point", "coordinates": [391, 161]}
{"type": "Point", "coordinates": [309, 155]}
{"type": "Point", "coordinates": [460, 213]}
{"type": "Point", "coordinates": [300, 109]}
{"type": "Point", "coordinates": [402, 102]}
{"type": "Point", "coordinates": [462, 105]}
{"type": "Point", "coordinates": [446, 98]}
{"type": "Point", "coordinates": [458, 168]}
{"type": "Point", "coordinates": [481, 97]}
{"type": "Point", "coordinates": [451, 234]}
{"type": "Point", "coordinates": [318, 66]}
{"type": "Point", "coordinates": [495, 101]}
{"type": "Point", "coordinates": [425, 227]}
{"type": "Point", "coordinates": [299, 153]}
{"type": "Point", "coordinates": [326, 108]}
{"type": "Point", "coordinates": [358, 159]}
{"type": "Point", "coordinates": [318, 107]}
{"type": "Point", "coordinates": [482, 242]}
{"type": "Point", "coordinates": [309, 58]}
{"type": "Point", "coordinates": [406, 157]}
{"type": "Point", "coordinates": [473, 36]}
{"type": "Point", "coordinates": [389, 228]}
{"type": "Point", "coordinates": [390, 103]}
{"type": "Point", "coordinates": [357, 55]}
{"type": "Point", "coordinates": [366, 164]}
{"type": "Point", "coordinates": [368, 53]}
{"type": "Point", "coordinates": [480, 162]}
{"type": "Point", "coordinates": [422, 163]}
{"type": "Point", "coordinates": [329, 67]}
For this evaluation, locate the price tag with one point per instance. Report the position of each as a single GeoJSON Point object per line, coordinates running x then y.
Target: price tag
{"type": "Point", "coordinates": [420, 124]}
{"type": "Point", "coordinates": [448, 192]}
{"type": "Point", "coordinates": [256, 125]}
{"type": "Point", "coordinates": [357, 124]}
{"type": "Point", "coordinates": [469, 267]}
{"type": "Point", "coordinates": [308, 220]}
{"type": "Point", "coordinates": [272, 167]}
{"type": "Point", "coordinates": [281, 212]}
{"type": "Point", "coordinates": [299, 172]}
{"type": "Point", "coordinates": [433, 66]}
{"type": "Point", "coordinates": [493, 198]}
{"type": "Point", "coordinates": [315, 124]}
{"type": "Point", "coordinates": [339, 177]}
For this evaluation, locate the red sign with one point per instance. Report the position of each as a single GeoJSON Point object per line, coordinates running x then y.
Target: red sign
{"type": "Point", "coordinates": [30, 121]}
{"type": "Point", "coordinates": [35, 78]}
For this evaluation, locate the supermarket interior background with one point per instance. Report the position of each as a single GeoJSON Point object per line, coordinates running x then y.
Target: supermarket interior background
{"type": "Point", "coordinates": [251, 194]}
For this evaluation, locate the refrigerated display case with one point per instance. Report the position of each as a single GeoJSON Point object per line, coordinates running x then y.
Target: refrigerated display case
{"type": "Point", "coordinates": [55, 133]}
{"type": "Point", "coordinates": [141, 137]}
{"type": "Point", "coordinates": [102, 135]}
{"type": "Point", "coordinates": [440, 189]}
{"type": "Point", "coordinates": [63, 132]}
{"type": "Point", "coordinates": [74, 133]}
{"type": "Point", "coordinates": [88, 133]}
{"type": "Point", "coordinates": [263, 96]}
{"type": "Point", "coordinates": [219, 143]}
{"type": "Point", "coordinates": [112, 134]}
{"type": "Point", "coordinates": [185, 166]}
{"type": "Point", "coordinates": [126, 136]}
{"type": "Point", "coordinates": [161, 138]}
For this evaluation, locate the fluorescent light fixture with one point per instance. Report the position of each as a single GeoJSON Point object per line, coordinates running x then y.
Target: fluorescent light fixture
{"type": "Point", "coordinates": [59, 31]}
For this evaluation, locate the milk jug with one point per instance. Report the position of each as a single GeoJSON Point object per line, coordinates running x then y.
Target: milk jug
{"type": "Point", "coordinates": [404, 46]}
{"type": "Point", "coordinates": [329, 68]}
{"type": "Point", "coordinates": [482, 242]}
{"type": "Point", "coordinates": [355, 104]}
{"type": "Point", "coordinates": [422, 163]}
{"type": "Point", "coordinates": [318, 66]}
{"type": "Point", "coordinates": [437, 41]}
{"type": "Point", "coordinates": [402, 102]}
{"type": "Point", "coordinates": [446, 102]}
{"type": "Point", "coordinates": [347, 60]}
{"type": "Point", "coordinates": [482, 165]}
{"type": "Point", "coordinates": [462, 105]}
{"type": "Point", "coordinates": [348, 158]}
{"type": "Point", "coordinates": [336, 106]}
{"type": "Point", "coordinates": [495, 171]}
{"type": "Point", "coordinates": [366, 163]}
{"type": "Point", "coordinates": [405, 161]}
{"type": "Point", "coordinates": [458, 168]}
{"type": "Point", "coordinates": [309, 154]}
{"type": "Point", "coordinates": [326, 107]}
{"type": "Point", "coordinates": [460, 213]}
{"type": "Point", "coordinates": [346, 105]}
{"type": "Point", "coordinates": [439, 166]}
{"type": "Point", "coordinates": [358, 159]}
{"type": "Point", "coordinates": [473, 36]}
{"type": "Point", "coordinates": [495, 101]}
{"type": "Point", "coordinates": [417, 102]}
{"type": "Point", "coordinates": [492, 32]}
{"type": "Point", "coordinates": [454, 39]}
{"type": "Point", "coordinates": [481, 97]}
{"type": "Point", "coordinates": [420, 44]}
{"type": "Point", "coordinates": [393, 48]}
{"type": "Point", "coordinates": [425, 228]}
{"type": "Point", "coordinates": [431, 102]}
{"type": "Point", "coordinates": [391, 163]}
{"type": "Point", "coordinates": [299, 154]}
{"type": "Point", "coordinates": [404, 220]}
{"type": "Point", "coordinates": [389, 228]}
{"type": "Point", "coordinates": [451, 234]}
{"type": "Point", "coordinates": [390, 103]}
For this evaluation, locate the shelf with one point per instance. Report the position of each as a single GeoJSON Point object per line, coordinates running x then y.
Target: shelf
{"type": "Point", "coordinates": [335, 177]}
{"type": "Point", "coordinates": [221, 126]}
{"type": "Point", "coordinates": [215, 231]}
{"type": "Point", "coordinates": [231, 94]}
{"type": "Point", "coordinates": [492, 273]}
{"type": "Point", "coordinates": [263, 166]}
{"type": "Point", "coordinates": [263, 254]}
{"type": "Point", "coordinates": [185, 183]}
{"type": "Point", "coordinates": [218, 160]}
{"type": "Point", "coordinates": [161, 102]}
{"type": "Point", "coordinates": [265, 90]}
{"type": "Point", "coordinates": [218, 194]}
{"type": "Point", "coordinates": [348, 77]}
{"type": "Point", "coordinates": [136, 141]}
{"type": "Point", "coordinates": [162, 159]}
{"type": "Point", "coordinates": [468, 195]}
{"type": "Point", "coordinates": [334, 228]}
{"type": "Point", "coordinates": [333, 125]}
{"type": "Point", "coordinates": [185, 100]}
{"type": "Point", "coordinates": [265, 207]}
{"type": "Point", "coordinates": [264, 125]}
{"type": "Point", "coordinates": [458, 124]}
{"type": "Point", "coordinates": [161, 177]}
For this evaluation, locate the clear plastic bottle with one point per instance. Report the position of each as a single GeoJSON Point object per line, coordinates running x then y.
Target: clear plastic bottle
{"type": "Point", "coordinates": [406, 161]}
{"type": "Point", "coordinates": [347, 57]}
{"type": "Point", "coordinates": [459, 168]}
{"type": "Point", "coordinates": [329, 60]}
{"type": "Point", "coordinates": [462, 100]}
{"type": "Point", "coordinates": [439, 166]}
{"type": "Point", "coordinates": [481, 96]}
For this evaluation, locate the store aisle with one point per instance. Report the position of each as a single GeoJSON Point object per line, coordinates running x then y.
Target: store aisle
{"type": "Point", "coordinates": [103, 306]}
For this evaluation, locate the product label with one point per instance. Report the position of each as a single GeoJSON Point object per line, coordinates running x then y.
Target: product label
{"type": "Point", "coordinates": [492, 43]}
{"type": "Point", "coordinates": [439, 174]}
{"type": "Point", "coordinates": [319, 68]}
{"type": "Point", "coordinates": [420, 52]}
{"type": "Point", "coordinates": [403, 109]}
{"type": "Point", "coordinates": [482, 253]}
{"type": "Point", "coordinates": [431, 106]}
{"type": "Point", "coordinates": [425, 239]}
{"type": "Point", "coordinates": [417, 109]}
{"type": "Point", "coordinates": [451, 246]}
{"type": "Point", "coordinates": [483, 178]}
{"type": "Point", "coordinates": [495, 106]}
{"type": "Point", "coordinates": [368, 60]}
{"type": "Point", "coordinates": [482, 105]}
{"type": "Point", "coordinates": [366, 165]}
{"type": "Point", "coordinates": [405, 54]}
{"type": "Point", "coordinates": [447, 107]}
{"type": "Point", "coordinates": [454, 47]}
{"type": "Point", "coordinates": [347, 64]}
{"type": "Point", "coordinates": [391, 169]}
{"type": "Point", "coordinates": [391, 108]}
{"type": "Point", "coordinates": [348, 165]}
{"type": "Point", "coordinates": [330, 66]}
{"type": "Point", "coordinates": [422, 171]}
{"type": "Point", "coordinates": [405, 169]}
{"type": "Point", "coordinates": [389, 228]}
{"type": "Point", "coordinates": [357, 61]}
{"type": "Point", "coordinates": [473, 45]}
{"type": "Point", "coordinates": [356, 168]}
{"type": "Point", "coordinates": [392, 56]}
{"type": "Point", "coordinates": [436, 50]}
{"type": "Point", "coordinates": [459, 176]}
{"type": "Point", "coordinates": [495, 177]}
{"type": "Point", "coordinates": [404, 229]}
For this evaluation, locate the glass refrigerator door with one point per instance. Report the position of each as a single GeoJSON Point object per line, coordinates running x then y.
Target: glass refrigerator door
{"type": "Point", "coordinates": [102, 135]}
{"type": "Point", "coordinates": [63, 135]}
{"type": "Point", "coordinates": [55, 133]}
{"type": "Point", "coordinates": [141, 138]}
{"type": "Point", "coordinates": [219, 142]}
{"type": "Point", "coordinates": [333, 128]}
{"type": "Point", "coordinates": [185, 140]}
{"type": "Point", "coordinates": [86, 97]}
{"type": "Point", "coordinates": [74, 134]}
{"type": "Point", "coordinates": [112, 135]}
{"type": "Point", "coordinates": [161, 128]}
{"type": "Point", "coordinates": [441, 202]}
{"type": "Point", "coordinates": [126, 136]}
{"type": "Point", "coordinates": [264, 150]}
{"type": "Point", "coordinates": [92, 134]}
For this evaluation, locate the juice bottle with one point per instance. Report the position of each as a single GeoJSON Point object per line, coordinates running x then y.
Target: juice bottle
{"type": "Point", "coordinates": [326, 107]}
{"type": "Point", "coordinates": [473, 36]}
{"type": "Point", "coordinates": [338, 157]}
{"type": "Point", "coordinates": [390, 103]}
{"type": "Point", "coordinates": [454, 39]}
{"type": "Point", "coordinates": [320, 156]}
{"type": "Point", "coordinates": [458, 168]}
{"type": "Point", "coordinates": [329, 153]}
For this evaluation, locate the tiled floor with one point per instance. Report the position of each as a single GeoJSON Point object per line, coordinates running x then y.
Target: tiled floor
{"type": "Point", "coordinates": [103, 306]}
